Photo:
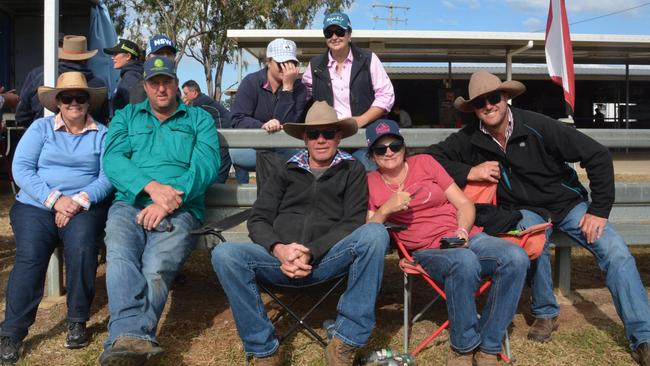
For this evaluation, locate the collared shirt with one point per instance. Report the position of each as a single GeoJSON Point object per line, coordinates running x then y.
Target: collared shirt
{"type": "Point", "coordinates": [89, 125]}
{"type": "Point", "coordinates": [381, 84]}
{"type": "Point", "coordinates": [509, 129]}
{"type": "Point", "coordinates": [302, 159]}
{"type": "Point", "coordinates": [182, 151]}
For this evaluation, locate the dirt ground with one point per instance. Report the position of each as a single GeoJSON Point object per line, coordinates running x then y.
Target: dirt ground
{"type": "Point", "coordinates": [197, 326]}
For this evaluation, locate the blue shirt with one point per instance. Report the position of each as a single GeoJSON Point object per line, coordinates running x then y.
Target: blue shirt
{"type": "Point", "coordinates": [47, 160]}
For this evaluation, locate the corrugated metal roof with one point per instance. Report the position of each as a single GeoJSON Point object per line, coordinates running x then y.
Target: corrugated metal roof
{"type": "Point", "coordinates": [439, 46]}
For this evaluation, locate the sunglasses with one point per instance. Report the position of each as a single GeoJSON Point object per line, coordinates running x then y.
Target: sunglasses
{"type": "Point", "coordinates": [394, 146]}
{"type": "Point", "coordinates": [493, 97]}
{"type": "Point", "coordinates": [329, 32]}
{"type": "Point", "coordinates": [315, 134]}
{"type": "Point", "coordinates": [67, 98]}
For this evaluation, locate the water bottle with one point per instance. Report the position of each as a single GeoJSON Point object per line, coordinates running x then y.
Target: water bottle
{"type": "Point", "coordinates": [374, 357]}
{"type": "Point", "coordinates": [401, 360]}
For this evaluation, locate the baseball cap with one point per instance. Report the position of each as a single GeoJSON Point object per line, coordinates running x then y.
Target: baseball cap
{"type": "Point", "coordinates": [337, 18]}
{"type": "Point", "coordinates": [158, 42]}
{"type": "Point", "coordinates": [282, 50]}
{"type": "Point", "coordinates": [381, 128]}
{"type": "Point", "coordinates": [159, 65]}
{"type": "Point", "coordinates": [124, 46]}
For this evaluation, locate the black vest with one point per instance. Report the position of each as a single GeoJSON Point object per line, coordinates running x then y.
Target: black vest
{"type": "Point", "coordinates": [362, 94]}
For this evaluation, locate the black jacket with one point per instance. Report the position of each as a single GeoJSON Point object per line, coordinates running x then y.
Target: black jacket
{"type": "Point", "coordinates": [362, 93]}
{"type": "Point", "coordinates": [30, 108]}
{"type": "Point", "coordinates": [218, 112]}
{"type": "Point", "coordinates": [295, 207]}
{"type": "Point", "coordinates": [130, 75]}
{"type": "Point", "coordinates": [534, 170]}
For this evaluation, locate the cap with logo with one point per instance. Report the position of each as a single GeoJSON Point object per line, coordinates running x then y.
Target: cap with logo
{"type": "Point", "coordinates": [159, 65]}
{"type": "Point", "coordinates": [282, 50]}
{"type": "Point", "coordinates": [381, 128]}
{"type": "Point", "coordinates": [124, 46]}
{"type": "Point", "coordinates": [337, 18]}
{"type": "Point", "coordinates": [158, 42]}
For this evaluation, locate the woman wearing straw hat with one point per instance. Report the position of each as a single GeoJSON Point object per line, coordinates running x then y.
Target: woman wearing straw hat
{"type": "Point", "coordinates": [57, 166]}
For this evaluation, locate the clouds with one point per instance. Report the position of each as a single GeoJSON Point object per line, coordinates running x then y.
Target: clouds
{"type": "Point", "coordinates": [455, 4]}
{"type": "Point", "coordinates": [533, 24]}
{"type": "Point", "coordinates": [576, 6]}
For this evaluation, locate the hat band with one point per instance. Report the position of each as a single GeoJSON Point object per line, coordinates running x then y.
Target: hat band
{"type": "Point", "coordinates": [76, 52]}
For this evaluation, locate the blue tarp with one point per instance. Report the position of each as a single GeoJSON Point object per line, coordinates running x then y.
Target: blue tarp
{"type": "Point", "coordinates": [102, 35]}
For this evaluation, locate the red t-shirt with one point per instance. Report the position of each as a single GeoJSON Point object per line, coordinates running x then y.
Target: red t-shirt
{"type": "Point", "coordinates": [430, 215]}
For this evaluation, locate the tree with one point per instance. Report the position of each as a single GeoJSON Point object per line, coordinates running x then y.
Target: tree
{"type": "Point", "coordinates": [199, 27]}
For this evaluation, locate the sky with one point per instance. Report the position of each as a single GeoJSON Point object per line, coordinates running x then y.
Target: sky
{"type": "Point", "coordinates": [585, 17]}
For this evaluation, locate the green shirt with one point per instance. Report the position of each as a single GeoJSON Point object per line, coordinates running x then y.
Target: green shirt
{"type": "Point", "coordinates": [182, 151]}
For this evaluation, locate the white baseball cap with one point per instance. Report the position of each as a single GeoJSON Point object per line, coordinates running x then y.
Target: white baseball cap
{"type": "Point", "coordinates": [282, 50]}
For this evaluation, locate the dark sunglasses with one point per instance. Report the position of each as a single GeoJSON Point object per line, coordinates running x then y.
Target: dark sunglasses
{"type": "Point", "coordinates": [327, 134]}
{"type": "Point", "coordinates": [394, 146]}
{"type": "Point", "coordinates": [493, 97]}
{"type": "Point", "coordinates": [329, 32]}
{"type": "Point", "coordinates": [67, 98]}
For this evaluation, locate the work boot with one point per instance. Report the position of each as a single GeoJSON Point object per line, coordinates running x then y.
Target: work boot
{"type": "Point", "coordinates": [276, 359]}
{"type": "Point", "coordinates": [130, 352]}
{"type": "Point", "coordinates": [10, 350]}
{"type": "Point", "coordinates": [339, 353]}
{"type": "Point", "coordinates": [642, 354]}
{"type": "Point", "coordinates": [542, 328]}
{"type": "Point", "coordinates": [459, 359]}
{"type": "Point", "coordinates": [77, 336]}
{"type": "Point", "coordinates": [485, 359]}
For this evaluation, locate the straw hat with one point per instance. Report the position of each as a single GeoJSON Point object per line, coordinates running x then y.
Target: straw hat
{"type": "Point", "coordinates": [482, 82]}
{"type": "Point", "coordinates": [321, 114]}
{"type": "Point", "coordinates": [75, 49]}
{"type": "Point", "coordinates": [72, 80]}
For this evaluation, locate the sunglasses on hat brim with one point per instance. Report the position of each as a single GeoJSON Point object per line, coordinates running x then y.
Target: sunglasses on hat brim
{"type": "Point", "coordinates": [491, 97]}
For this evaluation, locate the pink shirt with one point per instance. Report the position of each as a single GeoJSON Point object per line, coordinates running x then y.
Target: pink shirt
{"type": "Point", "coordinates": [430, 215]}
{"type": "Point", "coordinates": [381, 84]}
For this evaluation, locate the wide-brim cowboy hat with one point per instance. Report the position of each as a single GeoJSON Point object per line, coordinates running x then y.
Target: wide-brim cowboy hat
{"type": "Point", "coordinates": [75, 49]}
{"type": "Point", "coordinates": [72, 80]}
{"type": "Point", "coordinates": [321, 114]}
{"type": "Point", "coordinates": [483, 82]}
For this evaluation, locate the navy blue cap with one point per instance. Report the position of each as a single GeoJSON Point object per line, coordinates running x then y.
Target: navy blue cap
{"type": "Point", "coordinates": [381, 128]}
{"type": "Point", "coordinates": [158, 42]}
{"type": "Point", "coordinates": [159, 65]}
{"type": "Point", "coordinates": [337, 18]}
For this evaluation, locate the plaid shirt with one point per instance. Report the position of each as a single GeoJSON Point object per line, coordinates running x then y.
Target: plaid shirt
{"type": "Point", "coordinates": [59, 124]}
{"type": "Point", "coordinates": [302, 159]}
{"type": "Point", "coordinates": [509, 129]}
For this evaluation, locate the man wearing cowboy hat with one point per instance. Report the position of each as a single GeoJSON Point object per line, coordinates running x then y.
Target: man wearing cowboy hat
{"type": "Point", "coordinates": [526, 154]}
{"type": "Point", "coordinates": [308, 226]}
{"type": "Point", "coordinates": [73, 54]}
{"type": "Point", "coordinates": [161, 156]}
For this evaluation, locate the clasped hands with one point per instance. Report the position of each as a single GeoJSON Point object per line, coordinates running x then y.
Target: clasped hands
{"type": "Point", "coordinates": [294, 258]}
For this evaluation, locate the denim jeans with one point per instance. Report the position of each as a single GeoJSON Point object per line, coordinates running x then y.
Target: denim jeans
{"type": "Point", "coordinates": [244, 161]}
{"type": "Point", "coordinates": [362, 156]}
{"type": "Point", "coordinates": [360, 255]}
{"type": "Point", "coordinates": [36, 237]}
{"type": "Point", "coordinates": [461, 270]}
{"type": "Point", "coordinates": [613, 257]}
{"type": "Point", "coordinates": [224, 168]}
{"type": "Point", "coordinates": [140, 268]}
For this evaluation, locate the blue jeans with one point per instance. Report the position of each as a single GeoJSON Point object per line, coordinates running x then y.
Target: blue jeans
{"type": "Point", "coordinates": [461, 270]}
{"type": "Point", "coordinates": [245, 160]}
{"type": "Point", "coordinates": [36, 238]}
{"type": "Point", "coordinates": [360, 255]}
{"type": "Point", "coordinates": [140, 268]}
{"type": "Point", "coordinates": [224, 168]}
{"type": "Point", "coordinates": [613, 257]}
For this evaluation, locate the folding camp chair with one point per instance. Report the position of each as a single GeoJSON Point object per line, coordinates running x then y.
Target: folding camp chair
{"type": "Point", "coordinates": [531, 239]}
{"type": "Point", "coordinates": [267, 164]}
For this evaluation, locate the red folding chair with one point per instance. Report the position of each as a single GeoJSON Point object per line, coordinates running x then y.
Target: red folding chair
{"type": "Point", "coordinates": [532, 240]}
